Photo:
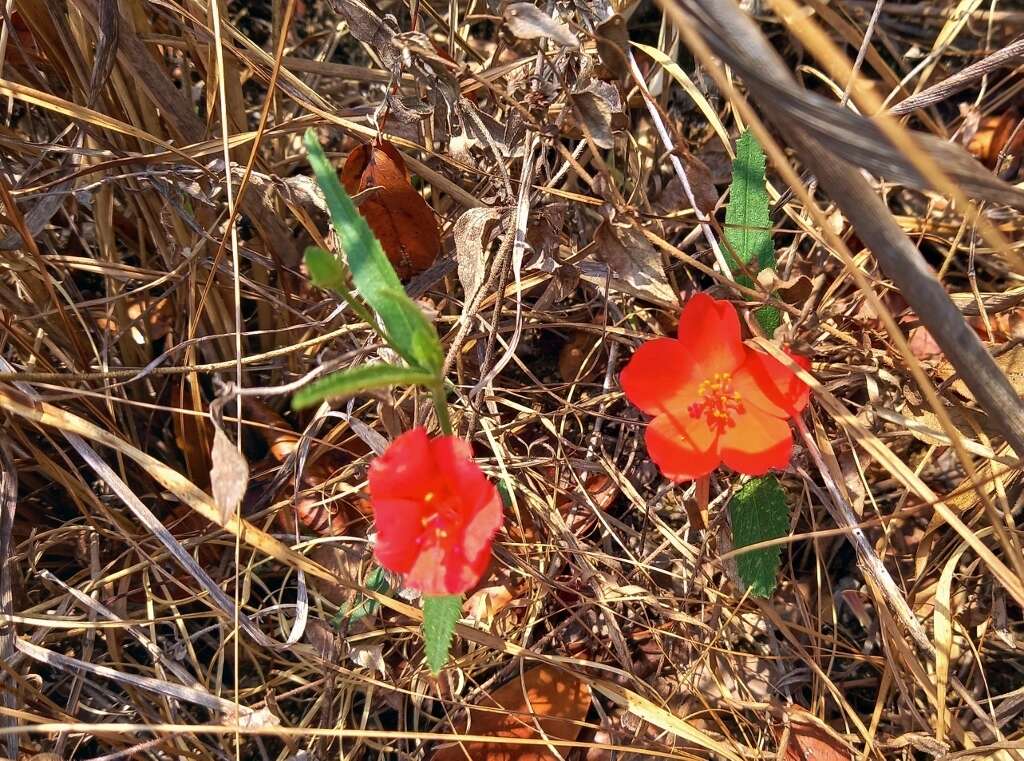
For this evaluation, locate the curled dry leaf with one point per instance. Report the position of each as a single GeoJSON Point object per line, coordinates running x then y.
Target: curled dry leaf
{"type": "Point", "coordinates": [596, 107]}
{"type": "Point", "coordinates": [229, 475]}
{"type": "Point", "coordinates": [993, 135]}
{"type": "Point", "coordinates": [809, 741]}
{"type": "Point", "coordinates": [527, 22]}
{"type": "Point", "coordinates": [474, 231]}
{"type": "Point", "coordinates": [612, 38]}
{"type": "Point", "coordinates": [553, 699]}
{"type": "Point", "coordinates": [311, 511]}
{"type": "Point", "coordinates": [403, 222]}
{"type": "Point", "coordinates": [633, 259]}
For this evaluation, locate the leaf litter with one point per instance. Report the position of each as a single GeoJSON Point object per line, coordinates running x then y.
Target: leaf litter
{"type": "Point", "coordinates": [119, 326]}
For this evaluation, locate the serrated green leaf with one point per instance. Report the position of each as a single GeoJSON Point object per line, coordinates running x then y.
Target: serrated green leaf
{"type": "Point", "coordinates": [769, 318]}
{"type": "Point", "coordinates": [748, 225]}
{"type": "Point", "coordinates": [408, 330]}
{"type": "Point", "coordinates": [356, 380]}
{"type": "Point", "coordinates": [440, 614]}
{"type": "Point", "coordinates": [759, 513]}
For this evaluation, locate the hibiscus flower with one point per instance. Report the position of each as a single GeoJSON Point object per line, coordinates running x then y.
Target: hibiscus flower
{"type": "Point", "coordinates": [714, 399]}
{"type": "Point", "coordinates": [436, 512]}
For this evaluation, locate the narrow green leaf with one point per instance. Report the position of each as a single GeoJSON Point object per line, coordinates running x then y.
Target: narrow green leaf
{"type": "Point", "coordinates": [758, 513]}
{"type": "Point", "coordinates": [748, 226]}
{"type": "Point", "coordinates": [357, 379]}
{"type": "Point", "coordinates": [408, 330]}
{"type": "Point", "coordinates": [440, 614]}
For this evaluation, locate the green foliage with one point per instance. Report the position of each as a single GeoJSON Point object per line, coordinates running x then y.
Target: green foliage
{"type": "Point", "coordinates": [352, 381]}
{"type": "Point", "coordinates": [440, 614]}
{"type": "Point", "coordinates": [406, 328]}
{"type": "Point", "coordinates": [758, 512]}
{"type": "Point", "coordinates": [376, 581]}
{"type": "Point", "coordinates": [748, 226]}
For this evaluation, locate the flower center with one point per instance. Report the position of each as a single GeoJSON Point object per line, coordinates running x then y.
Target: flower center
{"type": "Point", "coordinates": [439, 524]}
{"type": "Point", "coordinates": [718, 402]}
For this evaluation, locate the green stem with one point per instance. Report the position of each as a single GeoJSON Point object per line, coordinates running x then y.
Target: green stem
{"type": "Point", "coordinates": [441, 408]}
{"type": "Point", "coordinates": [361, 311]}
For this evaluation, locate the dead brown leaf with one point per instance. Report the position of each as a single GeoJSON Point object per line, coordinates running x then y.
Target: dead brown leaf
{"type": "Point", "coordinates": [403, 222]}
{"type": "Point", "coordinates": [632, 258]}
{"type": "Point", "coordinates": [544, 697]}
{"type": "Point", "coordinates": [528, 22]}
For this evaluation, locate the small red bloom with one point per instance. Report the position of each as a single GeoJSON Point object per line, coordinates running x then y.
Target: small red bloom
{"type": "Point", "coordinates": [436, 512]}
{"type": "Point", "coordinates": [713, 399]}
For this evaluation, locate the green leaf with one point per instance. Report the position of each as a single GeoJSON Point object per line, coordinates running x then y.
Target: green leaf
{"type": "Point", "coordinates": [357, 379]}
{"type": "Point", "coordinates": [407, 329]}
{"type": "Point", "coordinates": [758, 512]}
{"type": "Point", "coordinates": [440, 614]}
{"type": "Point", "coordinates": [325, 270]}
{"type": "Point", "coordinates": [748, 226]}
{"type": "Point", "coordinates": [376, 581]}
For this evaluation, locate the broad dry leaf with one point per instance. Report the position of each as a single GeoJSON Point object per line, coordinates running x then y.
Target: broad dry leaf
{"type": "Point", "coordinates": [473, 233]}
{"type": "Point", "coordinates": [633, 259]}
{"type": "Point", "coordinates": [527, 22]}
{"type": "Point", "coordinates": [596, 105]}
{"type": "Point", "coordinates": [1010, 362]}
{"type": "Point", "coordinates": [809, 741]}
{"type": "Point", "coordinates": [403, 222]}
{"type": "Point", "coordinates": [229, 475]}
{"type": "Point", "coordinates": [612, 38]}
{"type": "Point", "coordinates": [553, 699]}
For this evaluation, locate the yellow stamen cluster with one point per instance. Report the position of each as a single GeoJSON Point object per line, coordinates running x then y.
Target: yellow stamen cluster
{"type": "Point", "coordinates": [718, 402]}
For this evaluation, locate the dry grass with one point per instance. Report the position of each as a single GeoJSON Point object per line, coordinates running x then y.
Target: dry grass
{"type": "Point", "coordinates": [138, 278]}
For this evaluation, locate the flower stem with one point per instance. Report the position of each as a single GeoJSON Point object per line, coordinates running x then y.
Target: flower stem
{"type": "Point", "coordinates": [703, 493]}
{"type": "Point", "coordinates": [441, 408]}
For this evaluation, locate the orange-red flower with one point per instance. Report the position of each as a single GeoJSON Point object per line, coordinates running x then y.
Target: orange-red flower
{"type": "Point", "coordinates": [714, 400]}
{"type": "Point", "coordinates": [436, 512]}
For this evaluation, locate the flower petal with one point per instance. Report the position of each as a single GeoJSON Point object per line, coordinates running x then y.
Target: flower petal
{"type": "Point", "coordinates": [428, 573]}
{"type": "Point", "coordinates": [710, 331]}
{"type": "Point", "coordinates": [659, 371]}
{"type": "Point", "coordinates": [768, 384]}
{"type": "Point", "coordinates": [757, 443]}
{"type": "Point", "coordinates": [399, 529]}
{"type": "Point", "coordinates": [683, 447]}
{"type": "Point", "coordinates": [406, 470]}
{"type": "Point", "coordinates": [453, 459]}
{"type": "Point", "coordinates": [481, 528]}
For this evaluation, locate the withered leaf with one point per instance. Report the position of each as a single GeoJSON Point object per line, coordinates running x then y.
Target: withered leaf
{"type": "Point", "coordinates": [473, 233]}
{"type": "Point", "coordinates": [596, 116]}
{"type": "Point", "coordinates": [397, 214]}
{"type": "Point", "coordinates": [545, 228]}
{"type": "Point", "coordinates": [370, 28]}
{"type": "Point", "coordinates": [810, 742]}
{"type": "Point", "coordinates": [673, 197]}
{"type": "Point", "coordinates": [527, 22]}
{"type": "Point", "coordinates": [229, 475]}
{"type": "Point", "coordinates": [612, 42]}
{"type": "Point", "coordinates": [543, 695]}
{"type": "Point", "coordinates": [632, 258]}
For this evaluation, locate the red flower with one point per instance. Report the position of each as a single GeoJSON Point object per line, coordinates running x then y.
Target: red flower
{"type": "Point", "coordinates": [436, 512]}
{"type": "Point", "coordinates": [714, 400]}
